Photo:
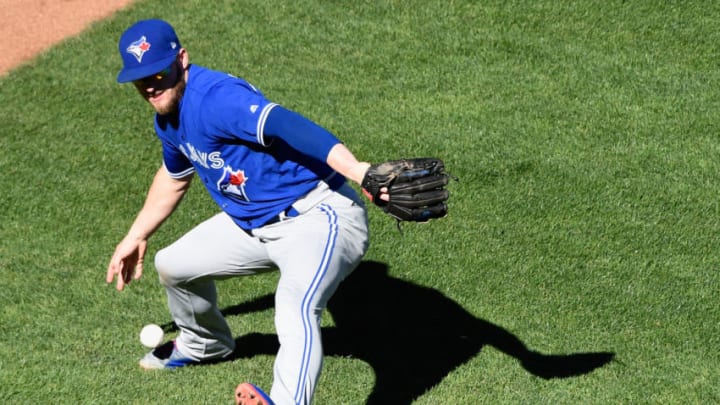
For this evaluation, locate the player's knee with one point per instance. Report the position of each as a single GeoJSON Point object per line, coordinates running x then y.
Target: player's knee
{"type": "Point", "coordinates": [166, 266]}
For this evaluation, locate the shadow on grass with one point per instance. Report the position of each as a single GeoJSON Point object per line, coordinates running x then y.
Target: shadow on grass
{"type": "Point", "coordinates": [412, 336]}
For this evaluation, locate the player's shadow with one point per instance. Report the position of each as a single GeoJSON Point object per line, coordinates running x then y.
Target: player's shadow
{"type": "Point", "coordinates": [412, 336]}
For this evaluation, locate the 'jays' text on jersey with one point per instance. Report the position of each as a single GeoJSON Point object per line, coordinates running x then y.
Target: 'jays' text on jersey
{"type": "Point", "coordinates": [218, 134]}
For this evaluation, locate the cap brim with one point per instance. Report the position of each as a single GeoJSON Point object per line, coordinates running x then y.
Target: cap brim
{"type": "Point", "coordinates": [141, 72]}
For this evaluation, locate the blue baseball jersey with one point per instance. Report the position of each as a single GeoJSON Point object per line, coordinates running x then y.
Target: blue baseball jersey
{"type": "Point", "coordinates": [219, 135]}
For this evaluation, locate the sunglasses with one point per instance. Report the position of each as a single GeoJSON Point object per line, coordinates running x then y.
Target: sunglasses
{"type": "Point", "coordinates": [158, 77]}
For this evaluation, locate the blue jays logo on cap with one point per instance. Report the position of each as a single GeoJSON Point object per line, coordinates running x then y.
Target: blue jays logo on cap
{"type": "Point", "coordinates": [138, 48]}
{"type": "Point", "coordinates": [147, 47]}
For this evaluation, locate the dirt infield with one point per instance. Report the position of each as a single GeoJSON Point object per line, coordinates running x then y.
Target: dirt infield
{"type": "Point", "coordinates": [29, 27]}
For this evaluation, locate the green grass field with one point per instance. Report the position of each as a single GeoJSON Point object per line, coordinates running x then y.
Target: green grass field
{"type": "Point", "coordinates": [584, 226]}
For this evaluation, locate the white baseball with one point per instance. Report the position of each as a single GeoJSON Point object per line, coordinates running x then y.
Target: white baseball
{"type": "Point", "coordinates": [151, 335]}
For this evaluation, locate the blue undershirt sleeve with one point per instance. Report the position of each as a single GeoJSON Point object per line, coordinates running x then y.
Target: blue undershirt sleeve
{"type": "Point", "coordinates": [300, 133]}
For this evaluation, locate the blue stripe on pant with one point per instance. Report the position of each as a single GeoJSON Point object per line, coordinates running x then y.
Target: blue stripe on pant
{"type": "Point", "coordinates": [307, 300]}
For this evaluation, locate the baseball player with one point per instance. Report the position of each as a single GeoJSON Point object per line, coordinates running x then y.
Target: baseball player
{"type": "Point", "coordinates": [279, 180]}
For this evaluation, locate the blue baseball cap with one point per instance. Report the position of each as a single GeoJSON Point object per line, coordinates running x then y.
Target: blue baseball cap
{"type": "Point", "coordinates": [147, 47]}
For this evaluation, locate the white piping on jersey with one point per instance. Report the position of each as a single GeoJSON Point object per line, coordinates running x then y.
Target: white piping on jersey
{"type": "Point", "coordinates": [261, 123]}
{"type": "Point", "coordinates": [180, 175]}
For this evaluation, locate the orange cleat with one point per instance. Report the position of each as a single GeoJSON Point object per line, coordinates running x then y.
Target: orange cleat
{"type": "Point", "coordinates": [249, 394]}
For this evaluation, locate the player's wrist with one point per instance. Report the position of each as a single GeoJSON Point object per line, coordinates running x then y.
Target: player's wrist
{"type": "Point", "coordinates": [358, 172]}
{"type": "Point", "coordinates": [136, 235]}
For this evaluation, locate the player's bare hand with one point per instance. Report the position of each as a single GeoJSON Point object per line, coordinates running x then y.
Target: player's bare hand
{"type": "Point", "coordinates": [126, 263]}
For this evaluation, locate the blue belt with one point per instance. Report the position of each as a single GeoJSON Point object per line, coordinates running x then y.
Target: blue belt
{"type": "Point", "coordinates": [289, 212]}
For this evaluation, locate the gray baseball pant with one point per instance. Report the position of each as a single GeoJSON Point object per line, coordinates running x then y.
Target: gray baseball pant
{"type": "Point", "coordinates": [313, 251]}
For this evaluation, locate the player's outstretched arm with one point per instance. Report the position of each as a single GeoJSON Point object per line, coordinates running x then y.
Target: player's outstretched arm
{"type": "Point", "coordinates": [163, 197]}
{"type": "Point", "coordinates": [344, 162]}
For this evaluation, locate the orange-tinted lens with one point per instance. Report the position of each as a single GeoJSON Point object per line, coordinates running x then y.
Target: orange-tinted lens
{"type": "Point", "coordinates": [163, 73]}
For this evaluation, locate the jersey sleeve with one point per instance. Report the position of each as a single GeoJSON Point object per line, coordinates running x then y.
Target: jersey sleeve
{"type": "Point", "coordinates": [237, 111]}
{"type": "Point", "coordinates": [176, 163]}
